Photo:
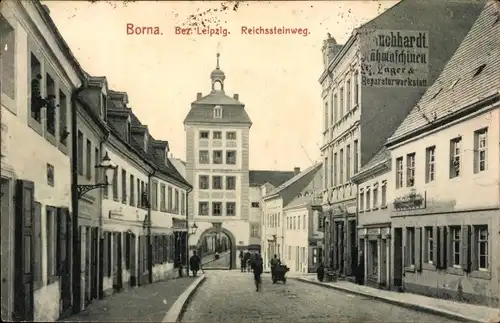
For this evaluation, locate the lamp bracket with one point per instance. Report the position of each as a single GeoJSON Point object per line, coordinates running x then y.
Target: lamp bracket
{"type": "Point", "coordinates": [84, 189]}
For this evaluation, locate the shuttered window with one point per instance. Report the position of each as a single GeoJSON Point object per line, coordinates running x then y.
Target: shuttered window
{"type": "Point", "coordinates": [37, 243]}
{"type": "Point", "coordinates": [465, 248]}
{"type": "Point", "coordinates": [418, 249]}
{"type": "Point", "coordinates": [443, 247]}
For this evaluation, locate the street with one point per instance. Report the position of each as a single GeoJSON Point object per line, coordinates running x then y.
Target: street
{"type": "Point", "coordinates": [230, 296]}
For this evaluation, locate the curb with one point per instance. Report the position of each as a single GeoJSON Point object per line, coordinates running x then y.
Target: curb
{"type": "Point", "coordinates": [418, 307]}
{"type": "Point", "coordinates": [174, 314]}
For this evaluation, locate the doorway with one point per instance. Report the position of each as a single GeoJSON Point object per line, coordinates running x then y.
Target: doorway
{"type": "Point", "coordinates": [7, 293]}
{"type": "Point", "coordinates": [398, 258]}
{"type": "Point", "coordinates": [64, 230]}
{"type": "Point", "coordinates": [117, 279]}
{"type": "Point", "coordinates": [23, 256]}
{"type": "Point", "coordinates": [94, 264]}
{"type": "Point", "coordinates": [353, 248]}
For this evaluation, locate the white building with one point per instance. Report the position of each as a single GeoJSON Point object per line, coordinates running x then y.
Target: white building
{"type": "Point", "coordinates": [445, 158]}
{"type": "Point", "coordinates": [217, 155]}
{"type": "Point", "coordinates": [35, 162]}
{"type": "Point", "coordinates": [273, 204]}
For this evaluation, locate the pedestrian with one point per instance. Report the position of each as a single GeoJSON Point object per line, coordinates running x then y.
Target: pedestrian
{"type": "Point", "coordinates": [246, 257]}
{"type": "Point", "coordinates": [194, 263]}
{"type": "Point", "coordinates": [242, 263]}
{"type": "Point", "coordinates": [274, 263]}
{"type": "Point", "coordinates": [257, 267]}
{"type": "Point", "coordinates": [320, 272]}
{"type": "Point", "coordinates": [360, 270]}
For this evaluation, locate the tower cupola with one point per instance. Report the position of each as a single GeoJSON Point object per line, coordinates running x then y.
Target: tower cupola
{"type": "Point", "coordinates": [217, 76]}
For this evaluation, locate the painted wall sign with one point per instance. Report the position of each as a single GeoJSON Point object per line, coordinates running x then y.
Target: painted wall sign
{"type": "Point", "coordinates": [394, 58]}
{"type": "Point", "coordinates": [411, 201]}
{"type": "Point", "coordinates": [179, 224]}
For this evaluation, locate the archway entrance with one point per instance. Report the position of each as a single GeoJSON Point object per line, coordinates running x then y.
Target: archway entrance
{"type": "Point", "coordinates": [217, 249]}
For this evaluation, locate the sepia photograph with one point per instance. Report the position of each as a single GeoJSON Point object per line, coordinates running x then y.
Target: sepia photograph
{"type": "Point", "coordinates": [250, 161]}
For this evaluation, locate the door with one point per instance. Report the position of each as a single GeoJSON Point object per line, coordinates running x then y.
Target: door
{"type": "Point", "coordinates": [398, 257]}
{"type": "Point", "coordinates": [353, 250]}
{"type": "Point", "coordinates": [23, 246]}
{"type": "Point", "coordinates": [94, 264]}
{"type": "Point", "coordinates": [88, 258]}
{"type": "Point", "coordinates": [7, 291]}
{"type": "Point", "coordinates": [119, 259]}
{"type": "Point", "coordinates": [133, 261]}
{"type": "Point", "coordinates": [63, 255]}
{"type": "Point", "coordinates": [102, 269]}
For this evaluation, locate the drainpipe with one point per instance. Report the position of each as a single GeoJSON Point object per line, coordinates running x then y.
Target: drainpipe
{"type": "Point", "coordinates": [101, 149]}
{"type": "Point", "coordinates": [187, 234]}
{"type": "Point", "coordinates": [74, 201]}
{"type": "Point", "coordinates": [148, 238]}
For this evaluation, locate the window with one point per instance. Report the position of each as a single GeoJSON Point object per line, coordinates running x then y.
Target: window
{"type": "Point", "coordinates": [456, 233]}
{"type": "Point", "coordinates": [356, 88]}
{"type": "Point", "coordinates": [373, 259]}
{"type": "Point", "coordinates": [230, 183]}
{"type": "Point", "coordinates": [138, 192]}
{"type": "Point", "coordinates": [132, 192]}
{"type": "Point", "coordinates": [304, 221]}
{"type": "Point", "coordinates": [163, 205]}
{"type": "Point", "coordinates": [216, 208]}
{"type": "Point", "coordinates": [37, 100]}
{"type": "Point", "coordinates": [332, 118]}
{"type": "Point", "coordinates": [88, 161]}
{"type": "Point", "coordinates": [341, 167]}
{"type": "Point", "coordinates": [217, 135]}
{"type": "Point", "coordinates": [348, 95]}
{"type": "Point", "coordinates": [410, 170]}
{"type": "Point", "coordinates": [204, 184]}
{"type": "Point", "coordinates": [429, 245]}
{"type": "Point", "coordinates": [203, 134]}
{"type": "Point", "coordinates": [154, 195]}
{"type": "Point", "coordinates": [124, 186]}
{"type": "Point", "coordinates": [375, 196]}
{"type": "Point", "coordinates": [254, 230]}
{"type": "Point", "coordinates": [129, 132]}
{"type": "Point", "coordinates": [8, 59]}
{"type": "Point", "coordinates": [348, 162]}
{"type": "Point", "coordinates": [368, 199]}
{"type": "Point", "coordinates": [170, 204]}
{"type": "Point", "coordinates": [361, 201]}
{"type": "Point", "coordinates": [231, 157]}
{"type": "Point", "coordinates": [217, 182]}
{"type": "Point", "coordinates": [481, 234]}
{"type": "Point", "coordinates": [325, 167]}
{"type": "Point", "coordinates": [355, 157]}
{"type": "Point", "coordinates": [294, 223]}
{"type": "Point", "coordinates": [341, 103]}
{"type": "Point", "coordinates": [140, 198]}
{"type": "Point", "coordinates": [335, 106]}
{"type": "Point", "coordinates": [217, 112]}
{"type": "Point", "coordinates": [51, 242]}
{"type": "Point", "coordinates": [399, 172]}
{"type": "Point", "coordinates": [80, 152]}
{"type": "Point", "coordinates": [176, 201]}
{"type": "Point", "coordinates": [183, 203]}
{"type": "Point", "coordinates": [410, 246]}
{"type": "Point", "coordinates": [115, 184]}
{"type": "Point", "coordinates": [231, 135]}
{"type": "Point", "coordinates": [383, 201]}
{"type": "Point", "coordinates": [97, 161]}
{"type": "Point", "coordinates": [255, 204]}
{"type": "Point", "coordinates": [326, 115]}
{"type": "Point", "coordinates": [455, 157]}
{"type": "Point", "coordinates": [217, 158]}
{"type": "Point", "coordinates": [203, 208]}
{"type": "Point", "coordinates": [63, 118]}
{"type": "Point", "coordinates": [204, 159]}
{"type": "Point", "coordinates": [230, 208]}
{"type": "Point", "coordinates": [335, 167]}
{"type": "Point", "coordinates": [51, 103]}
{"type": "Point", "coordinates": [480, 150]}
{"type": "Point", "coordinates": [430, 164]}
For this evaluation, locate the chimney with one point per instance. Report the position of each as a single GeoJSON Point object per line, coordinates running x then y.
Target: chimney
{"type": "Point", "coordinates": [198, 95]}
{"type": "Point", "coordinates": [296, 171]}
{"type": "Point", "coordinates": [236, 96]}
{"type": "Point", "coordinates": [46, 8]}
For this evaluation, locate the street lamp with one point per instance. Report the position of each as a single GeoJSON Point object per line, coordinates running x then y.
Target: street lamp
{"type": "Point", "coordinates": [105, 165]}
{"type": "Point", "coordinates": [193, 228]}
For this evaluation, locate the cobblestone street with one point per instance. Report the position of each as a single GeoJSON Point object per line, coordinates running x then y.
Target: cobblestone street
{"type": "Point", "coordinates": [230, 296]}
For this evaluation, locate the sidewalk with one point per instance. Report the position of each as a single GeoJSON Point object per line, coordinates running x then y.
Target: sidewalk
{"type": "Point", "coordinates": [454, 310]}
{"type": "Point", "coordinates": [148, 303]}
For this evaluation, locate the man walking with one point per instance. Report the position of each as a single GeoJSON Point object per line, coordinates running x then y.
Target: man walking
{"type": "Point", "coordinates": [257, 267]}
{"type": "Point", "coordinates": [194, 263]}
{"type": "Point", "coordinates": [274, 263]}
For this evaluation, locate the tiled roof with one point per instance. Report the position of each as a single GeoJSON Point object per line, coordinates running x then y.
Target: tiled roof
{"type": "Point", "coordinates": [276, 178]}
{"type": "Point", "coordinates": [383, 155]}
{"type": "Point", "coordinates": [472, 74]}
{"type": "Point", "coordinates": [300, 201]}
{"type": "Point", "coordinates": [202, 110]}
{"type": "Point", "coordinates": [295, 178]}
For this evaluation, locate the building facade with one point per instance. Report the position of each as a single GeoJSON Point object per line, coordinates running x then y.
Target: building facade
{"type": "Point", "coordinates": [362, 103]}
{"type": "Point", "coordinates": [374, 219]}
{"type": "Point", "coordinates": [445, 156]}
{"type": "Point", "coordinates": [217, 156]}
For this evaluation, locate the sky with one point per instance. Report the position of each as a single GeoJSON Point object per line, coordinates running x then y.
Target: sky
{"type": "Point", "coordinates": [276, 76]}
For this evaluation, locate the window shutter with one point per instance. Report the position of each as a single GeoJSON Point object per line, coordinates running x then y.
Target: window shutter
{"type": "Point", "coordinates": [83, 247]}
{"type": "Point", "coordinates": [141, 255]}
{"type": "Point", "coordinates": [418, 249]}
{"type": "Point", "coordinates": [105, 263]}
{"type": "Point", "coordinates": [165, 248]}
{"type": "Point", "coordinates": [132, 255]}
{"type": "Point", "coordinates": [435, 249]}
{"type": "Point", "coordinates": [333, 242]}
{"type": "Point", "coordinates": [473, 250]}
{"type": "Point", "coordinates": [442, 247]}
{"type": "Point", "coordinates": [162, 248]}
{"type": "Point", "coordinates": [37, 239]}
{"type": "Point", "coordinates": [172, 248]}
{"type": "Point", "coordinates": [449, 248]}
{"type": "Point", "coordinates": [154, 253]}
{"type": "Point", "coordinates": [465, 243]}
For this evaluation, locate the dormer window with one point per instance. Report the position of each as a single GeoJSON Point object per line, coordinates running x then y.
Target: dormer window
{"type": "Point", "coordinates": [104, 107]}
{"type": "Point", "coordinates": [218, 112]}
{"type": "Point", "coordinates": [146, 143]}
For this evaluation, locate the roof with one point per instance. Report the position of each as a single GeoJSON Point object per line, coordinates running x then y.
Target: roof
{"type": "Point", "coordinates": [302, 201]}
{"type": "Point", "coordinates": [472, 74]}
{"type": "Point", "coordinates": [294, 179]}
{"type": "Point", "coordinates": [381, 156]}
{"type": "Point", "coordinates": [276, 178]}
